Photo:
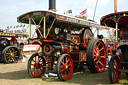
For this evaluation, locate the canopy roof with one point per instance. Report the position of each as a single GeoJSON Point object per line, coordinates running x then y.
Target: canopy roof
{"type": "Point", "coordinates": [37, 15]}
{"type": "Point", "coordinates": [111, 19]}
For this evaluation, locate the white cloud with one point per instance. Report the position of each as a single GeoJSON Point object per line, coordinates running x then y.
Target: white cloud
{"type": "Point", "coordinates": [103, 2]}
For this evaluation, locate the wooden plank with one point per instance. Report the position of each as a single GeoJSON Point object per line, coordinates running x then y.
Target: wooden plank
{"type": "Point", "coordinates": [124, 62]}
{"type": "Point", "coordinates": [122, 70]}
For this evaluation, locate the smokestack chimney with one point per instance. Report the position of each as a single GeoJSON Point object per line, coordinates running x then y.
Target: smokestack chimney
{"type": "Point", "coordinates": [52, 5]}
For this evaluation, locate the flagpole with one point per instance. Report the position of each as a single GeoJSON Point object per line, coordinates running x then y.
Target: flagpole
{"type": "Point", "coordinates": [115, 6]}
{"type": "Point", "coordinates": [94, 17]}
{"type": "Point", "coordinates": [95, 10]}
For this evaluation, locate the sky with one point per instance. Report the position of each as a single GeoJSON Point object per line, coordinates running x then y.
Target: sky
{"type": "Point", "coordinates": [11, 9]}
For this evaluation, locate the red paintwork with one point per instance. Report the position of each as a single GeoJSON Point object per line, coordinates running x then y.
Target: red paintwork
{"type": "Point", "coordinates": [66, 68]}
{"type": "Point", "coordinates": [116, 72]}
{"type": "Point", "coordinates": [100, 56]}
{"type": "Point", "coordinates": [47, 40]}
{"type": "Point", "coordinates": [110, 51]}
{"type": "Point", "coordinates": [36, 66]}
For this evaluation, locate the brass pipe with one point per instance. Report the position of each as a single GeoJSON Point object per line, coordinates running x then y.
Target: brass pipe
{"type": "Point", "coordinates": [116, 32]}
{"type": "Point", "coordinates": [44, 27]}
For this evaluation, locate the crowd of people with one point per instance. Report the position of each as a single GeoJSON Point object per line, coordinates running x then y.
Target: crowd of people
{"type": "Point", "coordinates": [18, 41]}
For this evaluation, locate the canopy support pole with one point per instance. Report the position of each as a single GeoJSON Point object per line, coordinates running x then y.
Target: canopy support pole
{"type": "Point", "coordinates": [29, 27]}
{"type": "Point", "coordinates": [116, 32]}
{"type": "Point", "coordinates": [97, 31]}
{"type": "Point", "coordinates": [50, 27]}
{"type": "Point", "coordinates": [44, 26]}
{"type": "Point", "coordinates": [37, 28]}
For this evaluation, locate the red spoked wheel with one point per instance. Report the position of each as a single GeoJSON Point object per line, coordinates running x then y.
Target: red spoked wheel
{"type": "Point", "coordinates": [65, 67]}
{"type": "Point", "coordinates": [96, 56]}
{"type": "Point", "coordinates": [113, 71]}
{"type": "Point", "coordinates": [36, 65]}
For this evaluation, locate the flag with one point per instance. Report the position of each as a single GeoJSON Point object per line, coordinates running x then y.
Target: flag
{"type": "Point", "coordinates": [7, 29]}
{"type": "Point", "coordinates": [83, 12]}
{"type": "Point", "coordinates": [17, 26]}
{"type": "Point", "coordinates": [10, 26]}
{"type": "Point", "coordinates": [69, 11]}
{"type": "Point", "coordinates": [7, 26]}
{"type": "Point", "coordinates": [1, 28]}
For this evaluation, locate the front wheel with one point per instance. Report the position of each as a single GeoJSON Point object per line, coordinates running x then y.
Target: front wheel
{"type": "Point", "coordinates": [36, 65]}
{"type": "Point", "coordinates": [113, 70]}
{"type": "Point", "coordinates": [65, 67]}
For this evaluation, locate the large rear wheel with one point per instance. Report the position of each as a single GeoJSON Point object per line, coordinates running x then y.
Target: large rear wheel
{"type": "Point", "coordinates": [36, 65]}
{"type": "Point", "coordinates": [96, 56]}
{"type": "Point", "coordinates": [113, 70]}
{"type": "Point", "coordinates": [65, 67]}
{"type": "Point", "coordinates": [87, 36]}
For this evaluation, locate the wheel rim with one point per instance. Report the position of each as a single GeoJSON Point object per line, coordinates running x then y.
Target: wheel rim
{"type": "Point", "coordinates": [12, 54]}
{"type": "Point", "coordinates": [38, 66]}
{"type": "Point", "coordinates": [66, 68]}
{"type": "Point", "coordinates": [100, 56]}
{"type": "Point", "coordinates": [116, 73]}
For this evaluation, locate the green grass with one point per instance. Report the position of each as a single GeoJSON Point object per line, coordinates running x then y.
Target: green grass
{"type": "Point", "coordinates": [16, 74]}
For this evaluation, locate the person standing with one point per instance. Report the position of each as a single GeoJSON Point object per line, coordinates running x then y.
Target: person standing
{"type": "Point", "coordinates": [14, 41]}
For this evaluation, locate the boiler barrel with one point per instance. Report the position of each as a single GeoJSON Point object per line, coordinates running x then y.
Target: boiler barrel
{"type": "Point", "coordinates": [123, 33]}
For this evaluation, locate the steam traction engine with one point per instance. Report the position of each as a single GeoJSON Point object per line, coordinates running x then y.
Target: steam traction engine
{"type": "Point", "coordinates": [66, 42]}
{"type": "Point", "coordinates": [119, 59]}
{"type": "Point", "coordinates": [8, 52]}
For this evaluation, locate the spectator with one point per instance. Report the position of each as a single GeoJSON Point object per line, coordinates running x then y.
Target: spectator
{"type": "Point", "coordinates": [14, 41]}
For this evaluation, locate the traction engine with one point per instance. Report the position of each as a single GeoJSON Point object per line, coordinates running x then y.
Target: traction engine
{"type": "Point", "coordinates": [66, 42]}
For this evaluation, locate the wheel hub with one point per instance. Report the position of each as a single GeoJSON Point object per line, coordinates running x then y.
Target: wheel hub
{"type": "Point", "coordinates": [36, 65]}
{"type": "Point", "coordinates": [98, 54]}
{"type": "Point", "coordinates": [65, 67]}
{"type": "Point", "coordinates": [47, 49]}
{"type": "Point", "coordinates": [12, 54]}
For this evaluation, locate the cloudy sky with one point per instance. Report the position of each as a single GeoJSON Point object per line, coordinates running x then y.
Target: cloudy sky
{"type": "Point", "coordinates": [11, 9]}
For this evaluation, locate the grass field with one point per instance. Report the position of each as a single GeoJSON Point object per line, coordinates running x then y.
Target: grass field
{"type": "Point", "coordinates": [16, 74]}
